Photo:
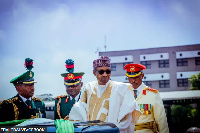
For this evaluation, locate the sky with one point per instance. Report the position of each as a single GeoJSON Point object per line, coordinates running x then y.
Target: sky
{"type": "Point", "coordinates": [52, 31]}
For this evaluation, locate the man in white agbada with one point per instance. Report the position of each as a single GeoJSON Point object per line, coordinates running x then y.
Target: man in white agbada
{"type": "Point", "coordinates": [107, 100]}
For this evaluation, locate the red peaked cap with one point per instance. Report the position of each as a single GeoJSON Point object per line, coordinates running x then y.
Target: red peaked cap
{"type": "Point", "coordinates": [134, 70]}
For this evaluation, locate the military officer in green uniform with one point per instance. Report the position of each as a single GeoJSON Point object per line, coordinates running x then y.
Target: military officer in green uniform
{"type": "Point", "coordinates": [23, 105]}
{"type": "Point", "coordinates": [73, 83]}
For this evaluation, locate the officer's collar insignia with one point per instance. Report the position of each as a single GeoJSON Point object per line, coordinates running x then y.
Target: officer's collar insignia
{"type": "Point", "coordinates": [144, 92]}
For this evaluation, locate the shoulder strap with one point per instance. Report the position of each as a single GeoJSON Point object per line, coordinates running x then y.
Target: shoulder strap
{"type": "Point", "coordinates": [36, 99]}
{"type": "Point", "coordinates": [151, 89]}
{"type": "Point", "coordinates": [11, 101]}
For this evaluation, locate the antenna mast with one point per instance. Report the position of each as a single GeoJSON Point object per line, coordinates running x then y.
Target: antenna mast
{"type": "Point", "coordinates": [105, 43]}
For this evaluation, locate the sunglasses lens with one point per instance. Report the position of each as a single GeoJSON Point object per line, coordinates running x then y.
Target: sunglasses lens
{"type": "Point", "coordinates": [108, 71]}
{"type": "Point", "coordinates": [101, 72]}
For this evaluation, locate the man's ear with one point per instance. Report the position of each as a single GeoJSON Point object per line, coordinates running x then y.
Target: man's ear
{"type": "Point", "coordinates": [94, 72]}
{"type": "Point", "coordinates": [81, 84]}
{"type": "Point", "coordinates": [17, 88]}
{"type": "Point", "coordinates": [142, 75]}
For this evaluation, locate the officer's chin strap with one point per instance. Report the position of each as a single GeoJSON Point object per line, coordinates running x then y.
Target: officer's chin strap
{"type": "Point", "coordinates": [64, 126]}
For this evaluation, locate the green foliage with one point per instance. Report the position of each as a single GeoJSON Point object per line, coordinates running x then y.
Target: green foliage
{"type": "Point", "coordinates": [184, 117]}
{"type": "Point", "coordinates": [182, 111]}
{"type": "Point", "coordinates": [181, 121]}
{"type": "Point", "coordinates": [195, 82]}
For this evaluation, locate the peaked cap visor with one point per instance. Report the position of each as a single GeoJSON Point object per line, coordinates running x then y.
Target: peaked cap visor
{"type": "Point", "coordinates": [26, 77]}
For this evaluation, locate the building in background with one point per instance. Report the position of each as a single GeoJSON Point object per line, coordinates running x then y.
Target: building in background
{"type": "Point", "coordinates": [168, 68]}
{"type": "Point", "coordinates": [46, 97]}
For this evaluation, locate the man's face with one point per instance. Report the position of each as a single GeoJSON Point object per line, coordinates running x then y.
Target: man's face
{"type": "Point", "coordinates": [136, 81]}
{"type": "Point", "coordinates": [102, 74]}
{"type": "Point", "coordinates": [74, 90]}
{"type": "Point", "coordinates": [25, 90]}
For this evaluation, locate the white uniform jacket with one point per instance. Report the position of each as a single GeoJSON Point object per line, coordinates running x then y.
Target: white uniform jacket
{"type": "Point", "coordinates": [151, 106]}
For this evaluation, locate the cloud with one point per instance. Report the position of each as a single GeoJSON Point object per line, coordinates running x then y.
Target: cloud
{"type": "Point", "coordinates": [2, 35]}
{"type": "Point", "coordinates": [52, 31]}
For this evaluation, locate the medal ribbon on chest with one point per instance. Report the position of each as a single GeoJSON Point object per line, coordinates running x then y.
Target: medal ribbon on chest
{"type": "Point", "coordinates": [145, 108]}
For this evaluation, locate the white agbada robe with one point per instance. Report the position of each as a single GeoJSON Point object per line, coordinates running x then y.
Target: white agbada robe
{"type": "Point", "coordinates": [113, 102]}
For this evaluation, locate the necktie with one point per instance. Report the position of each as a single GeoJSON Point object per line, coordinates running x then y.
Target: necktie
{"type": "Point", "coordinates": [135, 93]}
{"type": "Point", "coordinates": [73, 101]}
{"type": "Point", "coordinates": [28, 102]}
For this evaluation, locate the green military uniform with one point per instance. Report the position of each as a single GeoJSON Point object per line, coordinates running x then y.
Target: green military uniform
{"type": "Point", "coordinates": [15, 108]}
{"type": "Point", "coordinates": [63, 103]}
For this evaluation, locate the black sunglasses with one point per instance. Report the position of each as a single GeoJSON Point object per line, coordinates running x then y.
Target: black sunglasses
{"type": "Point", "coordinates": [102, 71]}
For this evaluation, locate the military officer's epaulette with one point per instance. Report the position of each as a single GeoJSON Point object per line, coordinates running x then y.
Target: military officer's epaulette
{"type": "Point", "coordinates": [36, 99]}
{"type": "Point", "coordinates": [61, 96]}
{"type": "Point", "coordinates": [10, 100]}
{"type": "Point", "coordinates": [151, 89]}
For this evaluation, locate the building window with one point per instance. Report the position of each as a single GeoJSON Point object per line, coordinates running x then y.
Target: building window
{"type": "Point", "coordinates": [197, 60]}
{"type": "Point", "coordinates": [164, 84]}
{"type": "Point", "coordinates": [126, 63]}
{"type": "Point", "coordinates": [182, 62]}
{"type": "Point", "coordinates": [147, 64]}
{"type": "Point", "coordinates": [148, 83]}
{"type": "Point", "coordinates": [163, 63]}
{"type": "Point", "coordinates": [113, 67]}
{"type": "Point", "coordinates": [182, 82]}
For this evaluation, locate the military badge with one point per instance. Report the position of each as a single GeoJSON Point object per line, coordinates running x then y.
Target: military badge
{"type": "Point", "coordinates": [30, 74]}
{"type": "Point", "coordinates": [70, 76]}
{"type": "Point", "coordinates": [132, 68]}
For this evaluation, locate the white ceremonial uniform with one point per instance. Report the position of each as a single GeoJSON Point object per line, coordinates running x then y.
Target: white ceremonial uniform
{"type": "Point", "coordinates": [113, 102]}
{"type": "Point", "coordinates": [152, 109]}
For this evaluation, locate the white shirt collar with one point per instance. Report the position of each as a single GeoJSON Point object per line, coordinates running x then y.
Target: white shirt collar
{"type": "Point", "coordinates": [101, 88]}
{"type": "Point", "coordinates": [140, 88]}
{"type": "Point", "coordinates": [24, 99]}
{"type": "Point", "coordinates": [76, 98]}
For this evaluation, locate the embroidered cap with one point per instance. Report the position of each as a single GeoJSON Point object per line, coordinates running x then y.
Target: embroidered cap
{"type": "Point", "coordinates": [103, 61]}
{"type": "Point", "coordinates": [71, 78]}
{"type": "Point", "coordinates": [134, 70]}
{"type": "Point", "coordinates": [27, 77]}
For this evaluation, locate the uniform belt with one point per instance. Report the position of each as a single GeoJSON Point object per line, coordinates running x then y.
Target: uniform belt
{"type": "Point", "coordinates": [147, 125]}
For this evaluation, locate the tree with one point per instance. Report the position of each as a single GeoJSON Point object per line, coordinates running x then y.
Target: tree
{"type": "Point", "coordinates": [195, 82]}
{"type": "Point", "coordinates": [183, 117]}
